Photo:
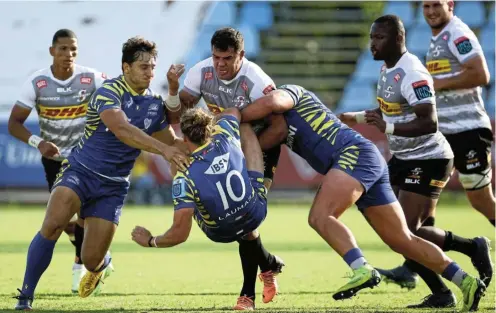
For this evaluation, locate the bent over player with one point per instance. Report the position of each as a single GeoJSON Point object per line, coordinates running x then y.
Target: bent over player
{"type": "Point", "coordinates": [123, 115]}
{"type": "Point", "coordinates": [60, 95]}
{"type": "Point", "coordinates": [354, 173]}
{"type": "Point", "coordinates": [224, 193]}
{"type": "Point", "coordinates": [422, 158]}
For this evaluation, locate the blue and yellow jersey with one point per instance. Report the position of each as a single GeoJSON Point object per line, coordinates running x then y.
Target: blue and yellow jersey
{"type": "Point", "coordinates": [216, 184]}
{"type": "Point", "coordinates": [317, 135]}
{"type": "Point", "coordinates": [99, 149]}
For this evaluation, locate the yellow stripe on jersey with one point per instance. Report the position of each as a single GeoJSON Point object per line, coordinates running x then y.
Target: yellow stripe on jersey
{"type": "Point", "coordinates": [214, 108]}
{"type": "Point", "coordinates": [65, 112]}
{"type": "Point", "coordinates": [438, 66]}
{"type": "Point", "coordinates": [110, 87]}
{"type": "Point", "coordinates": [349, 157]}
{"type": "Point", "coordinates": [389, 108]}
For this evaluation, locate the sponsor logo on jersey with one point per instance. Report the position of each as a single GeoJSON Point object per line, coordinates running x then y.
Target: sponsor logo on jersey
{"type": "Point", "coordinates": [86, 80]}
{"type": "Point", "coordinates": [68, 112]}
{"type": "Point", "coordinates": [64, 89]}
{"type": "Point", "coordinates": [225, 90]}
{"type": "Point", "coordinates": [438, 66]}
{"type": "Point", "coordinates": [397, 77]}
{"type": "Point", "coordinates": [463, 45]}
{"type": "Point", "coordinates": [209, 75]}
{"type": "Point", "coordinates": [219, 165]}
{"type": "Point", "coordinates": [291, 134]}
{"type": "Point", "coordinates": [178, 188]}
{"type": "Point", "coordinates": [41, 84]}
{"type": "Point", "coordinates": [422, 89]}
{"type": "Point", "coordinates": [244, 86]}
{"type": "Point", "coordinates": [389, 108]}
{"type": "Point", "coordinates": [388, 92]}
{"type": "Point", "coordinates": [148, 122]}
{"type": "Point", "coordinates": [437, 51]}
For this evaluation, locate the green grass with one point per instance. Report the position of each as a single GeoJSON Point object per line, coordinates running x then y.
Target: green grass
{"type": "Point", "coordinates": [201, 276]}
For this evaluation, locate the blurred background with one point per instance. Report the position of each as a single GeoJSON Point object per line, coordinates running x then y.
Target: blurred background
{"type": "Point", "coordinates": [322, 46]}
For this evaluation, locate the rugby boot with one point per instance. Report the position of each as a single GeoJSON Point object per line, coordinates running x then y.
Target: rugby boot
{"type": "Point", "coordinates": [364, 277]}
{"type": "Point", "coordinates": [436, 300]}
{"type": "Point", "coordinates": [244, 304]}
{"type": "Point", "coordinates": [271, 288]}
{"type": "Point", "coordinates": [24, 302]}
{"type": "Point", "coordinates": [482, 260]}
{"type": "Point", "coordinates": [473, 290]}
{"type": "Point", "coordinates": [401, 275]}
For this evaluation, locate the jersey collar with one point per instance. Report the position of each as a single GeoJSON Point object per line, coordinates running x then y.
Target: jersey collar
{"type": "Point", "coordinates": [202, 147]}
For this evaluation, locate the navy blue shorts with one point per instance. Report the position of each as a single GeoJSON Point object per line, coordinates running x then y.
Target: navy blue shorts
{"type": "Point", "coordinates": [370, 169]}
{"type": "Point", "coordinates": [254, 217]}
{"type": "Point", "coordinates": [100, 197]}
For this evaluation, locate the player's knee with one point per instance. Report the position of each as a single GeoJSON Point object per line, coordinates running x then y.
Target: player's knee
{"type": "Point", "coordinates": [476, 180]}
{"type": "Point", "coordinates": [91, 261]}
{"type": "Point", "coordinates": [316, 219]}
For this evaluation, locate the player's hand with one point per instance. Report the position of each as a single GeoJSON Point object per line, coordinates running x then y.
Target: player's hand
{"type": "Point", "coordinates": [175, 156]}
{"type": "Point", "coordinates": [372, 118]}
{"type": "Point", "coordinates": [175, 71]}
{"type": "Point", "coordinates": [141, 236]}
{"type": "Point", "coordinates": [48, 149]}
{"type": "Point", "coordinates": [348, 119]}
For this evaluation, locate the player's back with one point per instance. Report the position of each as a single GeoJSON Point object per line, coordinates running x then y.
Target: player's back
{"type": "Point", "coordinates": [218, 179]}
{"type": "Point", "coordinates": [99, 149]}
{"type": "Point", "coordinates": [314, 132]}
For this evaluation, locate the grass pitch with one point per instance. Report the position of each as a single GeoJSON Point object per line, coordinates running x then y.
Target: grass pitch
{"type": "Point", "coordinates": [201, 276]}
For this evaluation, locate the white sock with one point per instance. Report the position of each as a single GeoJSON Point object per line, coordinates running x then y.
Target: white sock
{"type": "Point", "coordinates": [358, 263]}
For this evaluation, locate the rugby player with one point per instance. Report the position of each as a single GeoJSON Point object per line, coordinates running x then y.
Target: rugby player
{"type": "Point", "coordinates": [422, 158]}
{"type": "Point", "coordinates": [60, 95]}
{"type": "Point", "coordinates": [226, 80]}
{"type": "Point", "coordinates": [124, 116]}
{"type": "Point", "coordinates": [354, 173]}
{"type": "Point", "coordinates": [222, 191]}
{"type": "Point", "coordinates": [456, 61]}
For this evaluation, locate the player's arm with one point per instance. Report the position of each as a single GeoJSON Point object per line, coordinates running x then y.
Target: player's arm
{"type": "Point", "coordinates": [467, 49]}
{"type": "Point", "coordinates": [278, 101]}
{"type": "Point", "coordinates": [188, 96]}
{"type": "Point", "coordinates": [418, 91]}
{"type": "Point", "coordinates": [353, 118]}
{"type": "Point", "coordinates": [275, 134]}
{"type": "Point", "coordinates": [20, 112]}
{"type": "Point", "coordinates": [168, 136]}
{"type": "Point", "coordinates": [177, 233]}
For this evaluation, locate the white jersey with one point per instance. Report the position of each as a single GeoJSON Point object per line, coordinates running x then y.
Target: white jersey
{"type": "Point", "coordinates": [61, 105]}
{"type": "Point", "coordinates": [399, 90]}
{"type": "Point", "coordinates": [462, 109]}
{"type": "Point", "coordinates": [250, 83]}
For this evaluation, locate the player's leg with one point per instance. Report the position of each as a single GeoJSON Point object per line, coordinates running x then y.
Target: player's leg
{"type": "Point", "coordinates": [99, 233]}
{"type": "Point", "coordinates": [74, 230]}
{"type": "Point", "coordinates": [270, 265]}
{"type": "Point", "coordinates": [390, 224]}
{"type": "Point", "coordinates": [472, 151]}
{"type": "Point", "coordinates": [63, 204]}
{"type": "Point", "coordinates": [270, 160]}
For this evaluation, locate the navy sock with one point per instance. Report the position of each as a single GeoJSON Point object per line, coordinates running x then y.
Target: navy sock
{"type": "Point", "coordinates": [454, 273]}
{"type": "Point", "coordinates": [39, 256]}
{"type": "Point", "coordinates": [354, 258]}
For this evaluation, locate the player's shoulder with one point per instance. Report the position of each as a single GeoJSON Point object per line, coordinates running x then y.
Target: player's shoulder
{"type": "Point", "coordinates": [39, 74]}
{"type": "Point", "coordinates": [253, 70]}
{"type": "Point", "coordinates": [208, 62]}
{"type": "Point", "coordinates": [457, 28]}
{"type": "Point", "coordinates": [85, 71]}
{"type": "Point", "coordinates": [411, 64]}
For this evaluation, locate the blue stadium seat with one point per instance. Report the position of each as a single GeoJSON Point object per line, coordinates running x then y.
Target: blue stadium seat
{"type": "Point", "coordinates": [252, 40]}
{"type": "Point", "coordinates": [490, 19]}
{"type": "Point", "coordinates": [220, 14]}
{"type": "Point", "coordinates": [402, 9]}
{"type": "Point", "coordinates": [470, 12]}
{"type": "Point", "coordinates": [367, 68]}
{"type": "Point", "coordinates": [490, 105]}
{"type": "Point", "coordinates": [357, 96]}
{"type": "Point", "coordinates": [486, 39]}
{"type": "Point", "coordinates": [257, 14]}
{"type": "Point", "coordinates": [418, 40]}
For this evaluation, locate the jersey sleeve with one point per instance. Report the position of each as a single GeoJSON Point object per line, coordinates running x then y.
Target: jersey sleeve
{"type": "Point", "coordinates": [163, 118]}
{"type": "Point", "coordinates": [464, 44]}
{"type": "Point", "coordinates": [99, 79]}
{"type": "Point", "coordinates": [262, 83]}
{"type": "Point", "coordinates": [182, 192]}
{"type": "Point", "coordinates": [417, 88]}
{"type": "Point", "coordinates": [228, 125]}
{"type": "Point", "coordinates": [296, 92]}
{"type": "Point", "coordinates": [192, 82]}
{"type": "Point", "coordinates": [106, 97]}
{"type": "Point", "coordinates": [27, 98]}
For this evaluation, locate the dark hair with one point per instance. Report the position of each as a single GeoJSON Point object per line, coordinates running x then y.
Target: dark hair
{"type": "Point", "coordinates": [226, 38]}
{"type": "Point", "coordinates": [63, 33]}
{"type": "Point", "coordinates": [133, 47]}
{"type": "Point", "coordinates": [196, 124]}
{"type": "Point", "coordinates": [393, 22]}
